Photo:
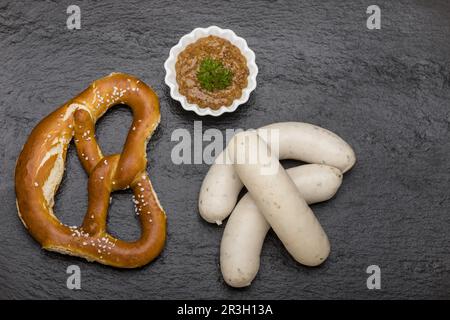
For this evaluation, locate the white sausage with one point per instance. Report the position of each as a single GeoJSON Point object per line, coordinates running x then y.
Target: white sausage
{"type": "Point", "coordinates": [297, 140]}
{"type": "Point", "coordinates": [279, 200]}
{"type": "Point", "coordinates": [246, 228]}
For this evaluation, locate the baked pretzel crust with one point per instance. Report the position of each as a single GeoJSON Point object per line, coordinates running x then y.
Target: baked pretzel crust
{"type": "Point", "coordinates": [40, 168]}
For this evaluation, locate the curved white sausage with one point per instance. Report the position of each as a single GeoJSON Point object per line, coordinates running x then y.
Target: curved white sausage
{"type": "Point", "coordinates": [278, 199]}
{"type": "Point", "coordinates": [246, 227]}
{"type": "Point", "coordinates": [297, 140]}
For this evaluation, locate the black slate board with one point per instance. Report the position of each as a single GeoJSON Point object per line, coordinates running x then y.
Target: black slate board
{"type": "Point", "coordinates": [387, 92]}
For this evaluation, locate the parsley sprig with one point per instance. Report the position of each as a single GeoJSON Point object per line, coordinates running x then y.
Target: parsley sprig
{"type": "Point", "coordinates": [213, 75]}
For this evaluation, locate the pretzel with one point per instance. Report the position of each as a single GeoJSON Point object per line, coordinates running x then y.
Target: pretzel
{"type": "Point", "coordinates": [40, 168]}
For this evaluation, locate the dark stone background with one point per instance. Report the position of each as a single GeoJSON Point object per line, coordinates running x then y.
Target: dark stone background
{"type": "Point", "coordinates": [387, 92]}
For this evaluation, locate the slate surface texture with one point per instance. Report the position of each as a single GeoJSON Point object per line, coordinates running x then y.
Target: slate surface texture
{"type": "Point", "coordinates": [386, 92]}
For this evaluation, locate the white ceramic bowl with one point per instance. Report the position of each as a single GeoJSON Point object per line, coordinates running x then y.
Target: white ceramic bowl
{"type": "Point", "coordinates": [196, 34]}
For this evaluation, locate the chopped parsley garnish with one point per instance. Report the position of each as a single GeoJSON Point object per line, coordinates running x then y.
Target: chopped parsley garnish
{"type": "Point", "coordinates": [213, 75]}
